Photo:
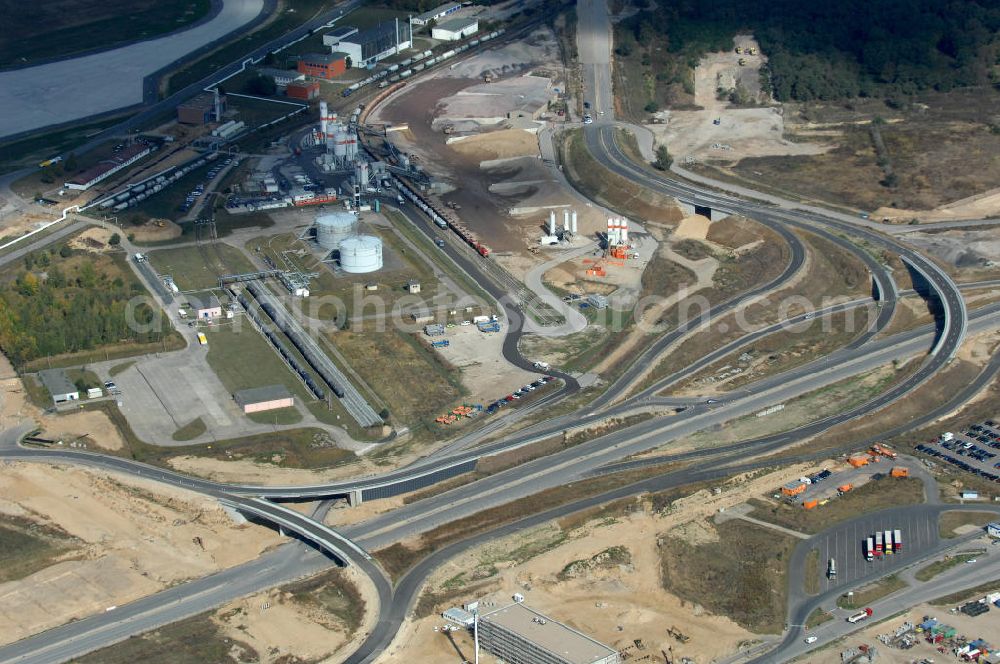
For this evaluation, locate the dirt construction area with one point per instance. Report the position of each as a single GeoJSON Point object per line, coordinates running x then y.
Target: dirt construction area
{"type": "Point", "coordinates": [125, 538]}
{"type": "Point", "coordinates": [721, 130]}
{"type": "Point", "coordinates": [485, 163]}
{"type": "Point", "coordinates": [598, 573]}
{"type": "Point", "coordinates": [485, 372]}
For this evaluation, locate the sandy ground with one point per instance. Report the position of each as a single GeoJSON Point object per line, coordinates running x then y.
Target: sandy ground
{"type": "Point", "coordinates": [693, 227]}
{"type": "Point", "coordinates": [136, 537]}
{"type": "Point", "coordinates": [93, 428]}
{"type": "Point", "coordinates": [741, 132]}
{"type": "Point", "coordinates": [244, 470]}
{"type": "Point", "coordinates": [150, 232]}
{"type": "Point", "coordinates": [985, 626]}
{"type": "Point", "coordinates": [93, 240]}
{"type": "Point", "coordinates": [601, 600]}
{"type": "Point", "coordinates": [501, 144]}
{"type": "Point", "coordinates": [980, 206]}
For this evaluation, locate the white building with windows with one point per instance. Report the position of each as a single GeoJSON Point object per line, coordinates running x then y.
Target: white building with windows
{"type": "Point", "coordinates": [455, 29]}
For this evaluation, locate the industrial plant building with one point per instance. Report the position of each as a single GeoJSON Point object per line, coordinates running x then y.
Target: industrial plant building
{"type": "Point", "coordinates": [58, 385]}
{"type": "Point", "coordinates": [201, 109]}
{"type": "Point", "coordinates": [209, 307]}
{"type": "Point", "coordinates": [437, 13]}
{"type": "Point", "coordinates": [260, 399]}
{"type": "Point", "coordinates": [366, 47]}
{"type": "Point", "coordinates": [323, 65]}
{"type": "Point", "coordinates": [455, 29]}
{"type": "Point", "coordinates": [303, 90]}
{"type": "Point", "coordinates": [281, 77]}
{"type": "Point", "coordinates": [519, 635]}
{"type": "Point", "coordinates": [108, 167]}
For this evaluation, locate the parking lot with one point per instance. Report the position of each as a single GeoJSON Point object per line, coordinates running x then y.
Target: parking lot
{"type": "Point", "coordinates": [975, 449]}
{"type": "Point", "coordinates": [845, 544]}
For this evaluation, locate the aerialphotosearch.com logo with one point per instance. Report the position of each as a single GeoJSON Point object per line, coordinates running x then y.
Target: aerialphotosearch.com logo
{"type": "Point", "coordinates": [368, 311]}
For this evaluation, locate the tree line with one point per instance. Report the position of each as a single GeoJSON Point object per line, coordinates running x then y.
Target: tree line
{"type": "Point", "coordinates": [835, 50]}
{"type": "Point", "coordinates": [56, 306]}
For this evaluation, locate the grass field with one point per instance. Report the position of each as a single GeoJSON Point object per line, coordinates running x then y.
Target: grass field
{"type": "Point", "coordinates": [949, 521]}
{"type": "Point", "coordinates": [199, 267]}
{"type": "Point", "coordinates": [29, 152]}
{"type": "Point", "coordinates": [928, 572]}
{"type": "Point", "coordinates": [614, 191]}
{"type": "Point", "coordinates": [26, 547]}
{"type": "Point", "coordinates": [817, 618]}
{"type": "Point", "coordinates": [812, 572]}
{"type": "Point", "coordinates": [874, 495]}
{"type": "Point", "coordinates": [742, 577]}
{"type": "Point", "coordinates": [191, 430]}
{"type": "Point", "coordinates": [871, 593]}
{"type": "Point", "coordinates": [61, 28]}
{"type": "Point", "coordinates": [332, 593]}
{"type": "Point", "coordinates": [941, 148]}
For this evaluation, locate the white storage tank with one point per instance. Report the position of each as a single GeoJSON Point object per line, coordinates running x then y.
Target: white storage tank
{"type": "Point", "coordinates": [360, 254]}
{"type": "Point", "coordinates": [334, 227]}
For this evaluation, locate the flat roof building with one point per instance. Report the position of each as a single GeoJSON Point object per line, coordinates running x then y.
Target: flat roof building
{"type": "Point", "coordinates": [366, 47]}
{"type": "Point", "coordinates": [993, 529]}
{"type": "Point", "coordinates": [260, 399]}
{"type": "Point", "coordinates": [282, 77]}
{"type": "Point", "coordinates": [437, 13]}
{"type": "Point", "coordinates": [303, 90]}
{"type": "Point", "coordinates": [519, 635]}
{"type": "Point", "coordinates": [200, 110]}
{"type": "Point", "coordinates": [108, 167]}
{"type": "Point", "coordinates": [58, 385]}
{"type": "Point", "coordinates": [208, 307]}
{"type": "Point", "coordinates": [455, 29]}
{"type": "Point", "coordinates": [323, 65]}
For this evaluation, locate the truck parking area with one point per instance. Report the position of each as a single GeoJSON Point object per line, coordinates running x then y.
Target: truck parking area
{"type": "Point", "coordinates": [845, 544]}
{"type": "Point", "coordinates": [975, 449]}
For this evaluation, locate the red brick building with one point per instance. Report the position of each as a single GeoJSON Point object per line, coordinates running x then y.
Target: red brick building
{"type": "Point", "coordinates": [323, 65]}
{"type": "Point", "coordinates": [304, 90]}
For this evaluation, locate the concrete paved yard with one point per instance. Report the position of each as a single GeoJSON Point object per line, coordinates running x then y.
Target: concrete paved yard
{"type": "Point", "coordinates": [72, 89]}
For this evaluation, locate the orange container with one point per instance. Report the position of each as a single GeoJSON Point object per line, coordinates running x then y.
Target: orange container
{"type": "Point", "coordinates": [793, 488]}
{"type": "Point", "coordinates": [900, 471]}
{"type": "Point", "coordinates": [859, 460]}
{"type": "Point", "coordinates": [810, 504]}
{"type": "Point", "coordinates": [844, 488]}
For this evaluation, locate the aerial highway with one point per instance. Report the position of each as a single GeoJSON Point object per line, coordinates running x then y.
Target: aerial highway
{"type": "Point", "coordinates": [607, 453]}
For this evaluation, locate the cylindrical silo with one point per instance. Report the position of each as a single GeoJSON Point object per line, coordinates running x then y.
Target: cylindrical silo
{"type": "Point", "coordinates": [359, 254]}
{"type": "Point", "coordinates": [334, 227]}
{"type": "Point", "coordinates": [340, 143]}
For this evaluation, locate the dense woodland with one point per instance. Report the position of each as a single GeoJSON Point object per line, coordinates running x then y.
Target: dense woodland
{"type": "Point", "coordinates": [834, 50]}
{"type": "Point", "coordinates": [62, 301]}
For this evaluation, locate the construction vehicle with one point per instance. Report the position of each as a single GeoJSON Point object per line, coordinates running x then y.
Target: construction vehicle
{"type": "Point", "coordinates": [899, 471]}
{"type": "Point", "coordinates": [884, 451]}
{"type": "Point", "coordinates": [859, 616]}
{"type": "Point", "coordinates": [739, 50]}
{"type": "Point", "coordinates": [440, 344]}
{"type": "Point", "coordinates": [752, 50]}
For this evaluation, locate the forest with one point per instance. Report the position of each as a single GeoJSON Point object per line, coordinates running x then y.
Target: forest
{"type": "Point", "coordinates": [834, 50]}
{"type": "Point", "coordinates": [65, 301]}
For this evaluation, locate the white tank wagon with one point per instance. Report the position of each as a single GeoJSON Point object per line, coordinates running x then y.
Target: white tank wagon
{"type": "Point", "coordinates": [361, 254]}
{"type": "Point", "coordinates": [334, 227]}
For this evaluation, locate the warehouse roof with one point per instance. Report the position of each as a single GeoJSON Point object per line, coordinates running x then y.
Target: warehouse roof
{"type": "Point", "coordinates": [276, 73]}
{"type": "Point", "coordinates": [458, 24]}
{"type": "Point", "coordinates": [323, 58]}
{"type": "Point", "coordinates": [261, 394]}
{"type": "Point", "coordinates": [210, 302]}
{"type": "Point", "coordinates": [56, 382]}
{"type": "Point", "coordinates": [341, 32]}
{"type": "Point", "coordinates": [548, 634]}
{"type": "Point", "coordinates": [441, 10]}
